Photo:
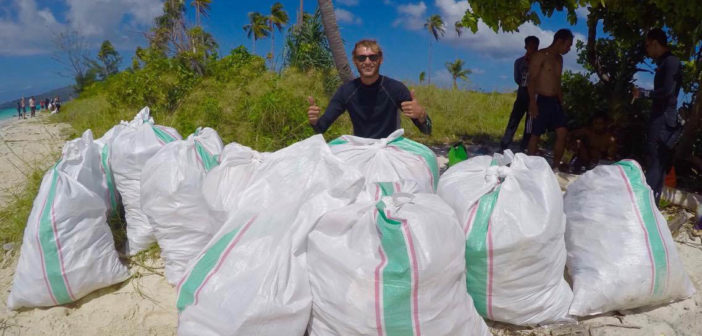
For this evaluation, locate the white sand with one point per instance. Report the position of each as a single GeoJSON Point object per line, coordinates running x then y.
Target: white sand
{"type": "Point", "coordinates": [145, 304]}
{"type": "Point", "coordinates": [25, 145]}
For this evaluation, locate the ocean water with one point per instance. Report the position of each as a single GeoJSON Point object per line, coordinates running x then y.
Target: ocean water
{"type": "Point", "coordinates": [8, 113]}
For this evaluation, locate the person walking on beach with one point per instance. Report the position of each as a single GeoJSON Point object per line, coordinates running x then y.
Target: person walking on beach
{"type": "Point", "coordinates": [373, 100]}
{"type": "Point", "coordinates": [521, 105]}
{"type": "Point", "coordinates": [664, 125]}
{"type": "Point", "coordinates": [32, 106]}
{"type": "Point", "coordinates": [546, 96]}
{"type": "Point", "coordinates": [19, 110]}
{"type": "Point", "coordinates": [24, 108]}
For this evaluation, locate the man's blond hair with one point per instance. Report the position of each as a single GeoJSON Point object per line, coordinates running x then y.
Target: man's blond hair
{"type": "Point", "coordinates": [370, 44]}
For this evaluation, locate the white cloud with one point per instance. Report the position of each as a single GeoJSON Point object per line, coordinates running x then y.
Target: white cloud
{"type": "Point", "coordinates": [345, 16]}
{"type": "Point", "coordinates": [477, 71]}
{"type": "Point", "coordinates": [582, 12]}
{"type": "Point", "coordinates": [27, 29]}
{"type": "Point", "coordinates": [411, 16]}
{"type": "Point", "coordinates": [500, 46]}
{"type": "Point", "coordinates": [348, 2]}
{"type": "Point", "coordinates": [442, 78]}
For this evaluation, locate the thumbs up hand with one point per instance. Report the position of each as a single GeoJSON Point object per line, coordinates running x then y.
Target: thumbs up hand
{"type": "Point", "coordinates": [413, 110]}
{"type": "Point", "coordinates": [312, 111]}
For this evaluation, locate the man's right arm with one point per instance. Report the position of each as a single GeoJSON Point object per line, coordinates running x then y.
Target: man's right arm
{"type": "Point", "coordinates": [336, 107]}
{"type": "Point", "coordinates": [532, 78]}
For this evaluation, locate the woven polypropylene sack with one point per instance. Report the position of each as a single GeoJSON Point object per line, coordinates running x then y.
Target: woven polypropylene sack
{"type": "Point", "coordinates": [621, 254]}
{"type": "Point", "coordinates": [105, 143]}
{"type": "Point", "coordinates": [223, 186]}
{"type": "Point", "coordinates": [511, 212]}
{"type": "Point", "coordinates": [171, 197]}
{"type": "Point", "coordinates": [67, 250]}
{"type": "Point", "coordinates": [251, 279]}
{"type": "Point", "coordinates": [390, 159]}
{"type": "Point", "coordinates": [390, 264]}
{"type": "Point", "coordinates": [132, 147]}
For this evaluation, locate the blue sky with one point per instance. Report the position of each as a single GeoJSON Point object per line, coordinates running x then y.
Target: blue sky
{"type": "Point", "coordinates": [27, 27]}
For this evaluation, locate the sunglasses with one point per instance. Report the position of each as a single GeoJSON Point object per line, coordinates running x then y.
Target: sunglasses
{"type": "Point", "coordinates": [373, 58]}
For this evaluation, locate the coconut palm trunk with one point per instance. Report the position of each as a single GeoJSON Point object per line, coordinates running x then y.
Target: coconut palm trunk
{"type": "Point", "coordinates": [336, 44]}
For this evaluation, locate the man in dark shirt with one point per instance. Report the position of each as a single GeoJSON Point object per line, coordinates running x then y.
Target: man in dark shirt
{"type": "Point", "coordinates": [373, 101]}
{"type": "Point", "coordinates": [521, 105]}
{"type": "Point", "coordinates": [664, 122]}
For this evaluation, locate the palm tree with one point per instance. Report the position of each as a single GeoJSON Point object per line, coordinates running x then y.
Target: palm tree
{"type": "Point", "coordinates": [331, 30]}
{"type": "Point", "coordinates": [421, 77]}
{"type": "Point", "coordinates": [435, 26]}
{"type": "Point", "coordinates": [458, 25]}
{"type": "Point", "coordinates": [277, 19]}
{"type": "Point", "coordinates": [457, 72]}
{"type": "Point", "coordinates": [202, 7]}
{"type": "Point", "coordinates": [257, 27]}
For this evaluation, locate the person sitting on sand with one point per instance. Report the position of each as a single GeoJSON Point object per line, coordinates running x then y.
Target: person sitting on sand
{"type": "Point", "coordinates": [373, 100]}
{"type": "Point", "coordinates": [591, 143]}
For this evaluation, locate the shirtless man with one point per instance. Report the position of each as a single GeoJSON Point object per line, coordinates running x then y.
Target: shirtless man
{"type": "Point", "coordinates": [544, 84]}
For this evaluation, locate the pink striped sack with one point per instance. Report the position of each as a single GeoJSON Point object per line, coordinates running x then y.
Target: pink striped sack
{"type": "Point", "coordinates": [67, 249]}
{"type": "Point", "coordinates": [131, 148]}
{"type": "Point", "coordinates": [390, 264]}
{"type": "Point", "coordinates": [251, 278]}
{"type": "Point", "coordinates": [390, 159]}
{"type": "Point", "coordinates": [511, 211]}
{"type": "Point", "coordinates": [621, 254]}
{"type": "Point", "coordinates": [171, 197]}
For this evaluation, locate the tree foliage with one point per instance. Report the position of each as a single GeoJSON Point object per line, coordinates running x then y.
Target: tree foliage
{"type": "Point", "coordinates": [457, 71]}
{"type": "Point", "coordinates": [307, 46]}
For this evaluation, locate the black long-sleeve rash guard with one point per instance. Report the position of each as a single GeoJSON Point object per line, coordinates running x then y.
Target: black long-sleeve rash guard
{"type": "Point", "coordinates": [374, 109]}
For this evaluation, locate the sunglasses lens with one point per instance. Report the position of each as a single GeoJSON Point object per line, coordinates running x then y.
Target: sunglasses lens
{"type": "Point", "coordinates": [362, 58]}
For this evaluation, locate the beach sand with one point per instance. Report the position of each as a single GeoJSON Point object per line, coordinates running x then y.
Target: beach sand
{"type": "Point", "coordinates": [27, 145]}
{"type": "Point", "coordinates": [145, 304]}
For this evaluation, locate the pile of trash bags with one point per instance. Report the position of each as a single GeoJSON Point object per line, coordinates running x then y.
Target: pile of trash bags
{"type": "Point", "coordinates": [355, 236]}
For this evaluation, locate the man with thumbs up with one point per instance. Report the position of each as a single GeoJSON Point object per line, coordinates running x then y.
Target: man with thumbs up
{"type": "Point", "coordinates": [374, 102]}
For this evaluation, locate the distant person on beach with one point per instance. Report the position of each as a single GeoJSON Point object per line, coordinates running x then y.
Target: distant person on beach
{"type": "Point", "coordinates": [372, 100]}
{"type": "Point", "coordinates": [46, 103]}
{"type": "Point", "coordinates": [546, 96]}
{"type": "Point", "coordinates": [521, 105]}
{"type": "Point", "coordinates": [24, 108]}
{"type": "Point", "coordinates": [57, 104]}
{"type": "Point", "coordinates": [19, 110]}
{"type": "Point", "coordinates": [32, 106]}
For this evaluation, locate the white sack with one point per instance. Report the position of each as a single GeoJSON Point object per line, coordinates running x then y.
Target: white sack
{"type": "Point", "coordinates": [132, 147]}
{"type": "Point", "coordinates": [390, 159]}
{"type": "Point", "coordinates": [251, 278]}
{"type": "Point", "coordinates": [67, 250]}
{"type": "Point", "coordinates": [390, 264]}
{"type": "Point", "coordinates": [621, 254]}
{"type": "Point", "coordinates": [171, 196]}
{"type": "Point", "coordinates": [105, 143]}
{"type": "Point", "coordinates": [224, 185]}
{"type": "Point", "coordinates": [512, 217]}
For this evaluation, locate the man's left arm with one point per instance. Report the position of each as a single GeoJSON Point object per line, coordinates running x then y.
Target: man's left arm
{"type": "Point", "coordinates": [668, 70]}
{"type": "Point", "coordinates": [413, 110]}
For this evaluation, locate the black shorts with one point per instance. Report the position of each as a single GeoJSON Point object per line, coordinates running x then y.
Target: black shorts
{"type": "Point", "coordinates": [550, 117]}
